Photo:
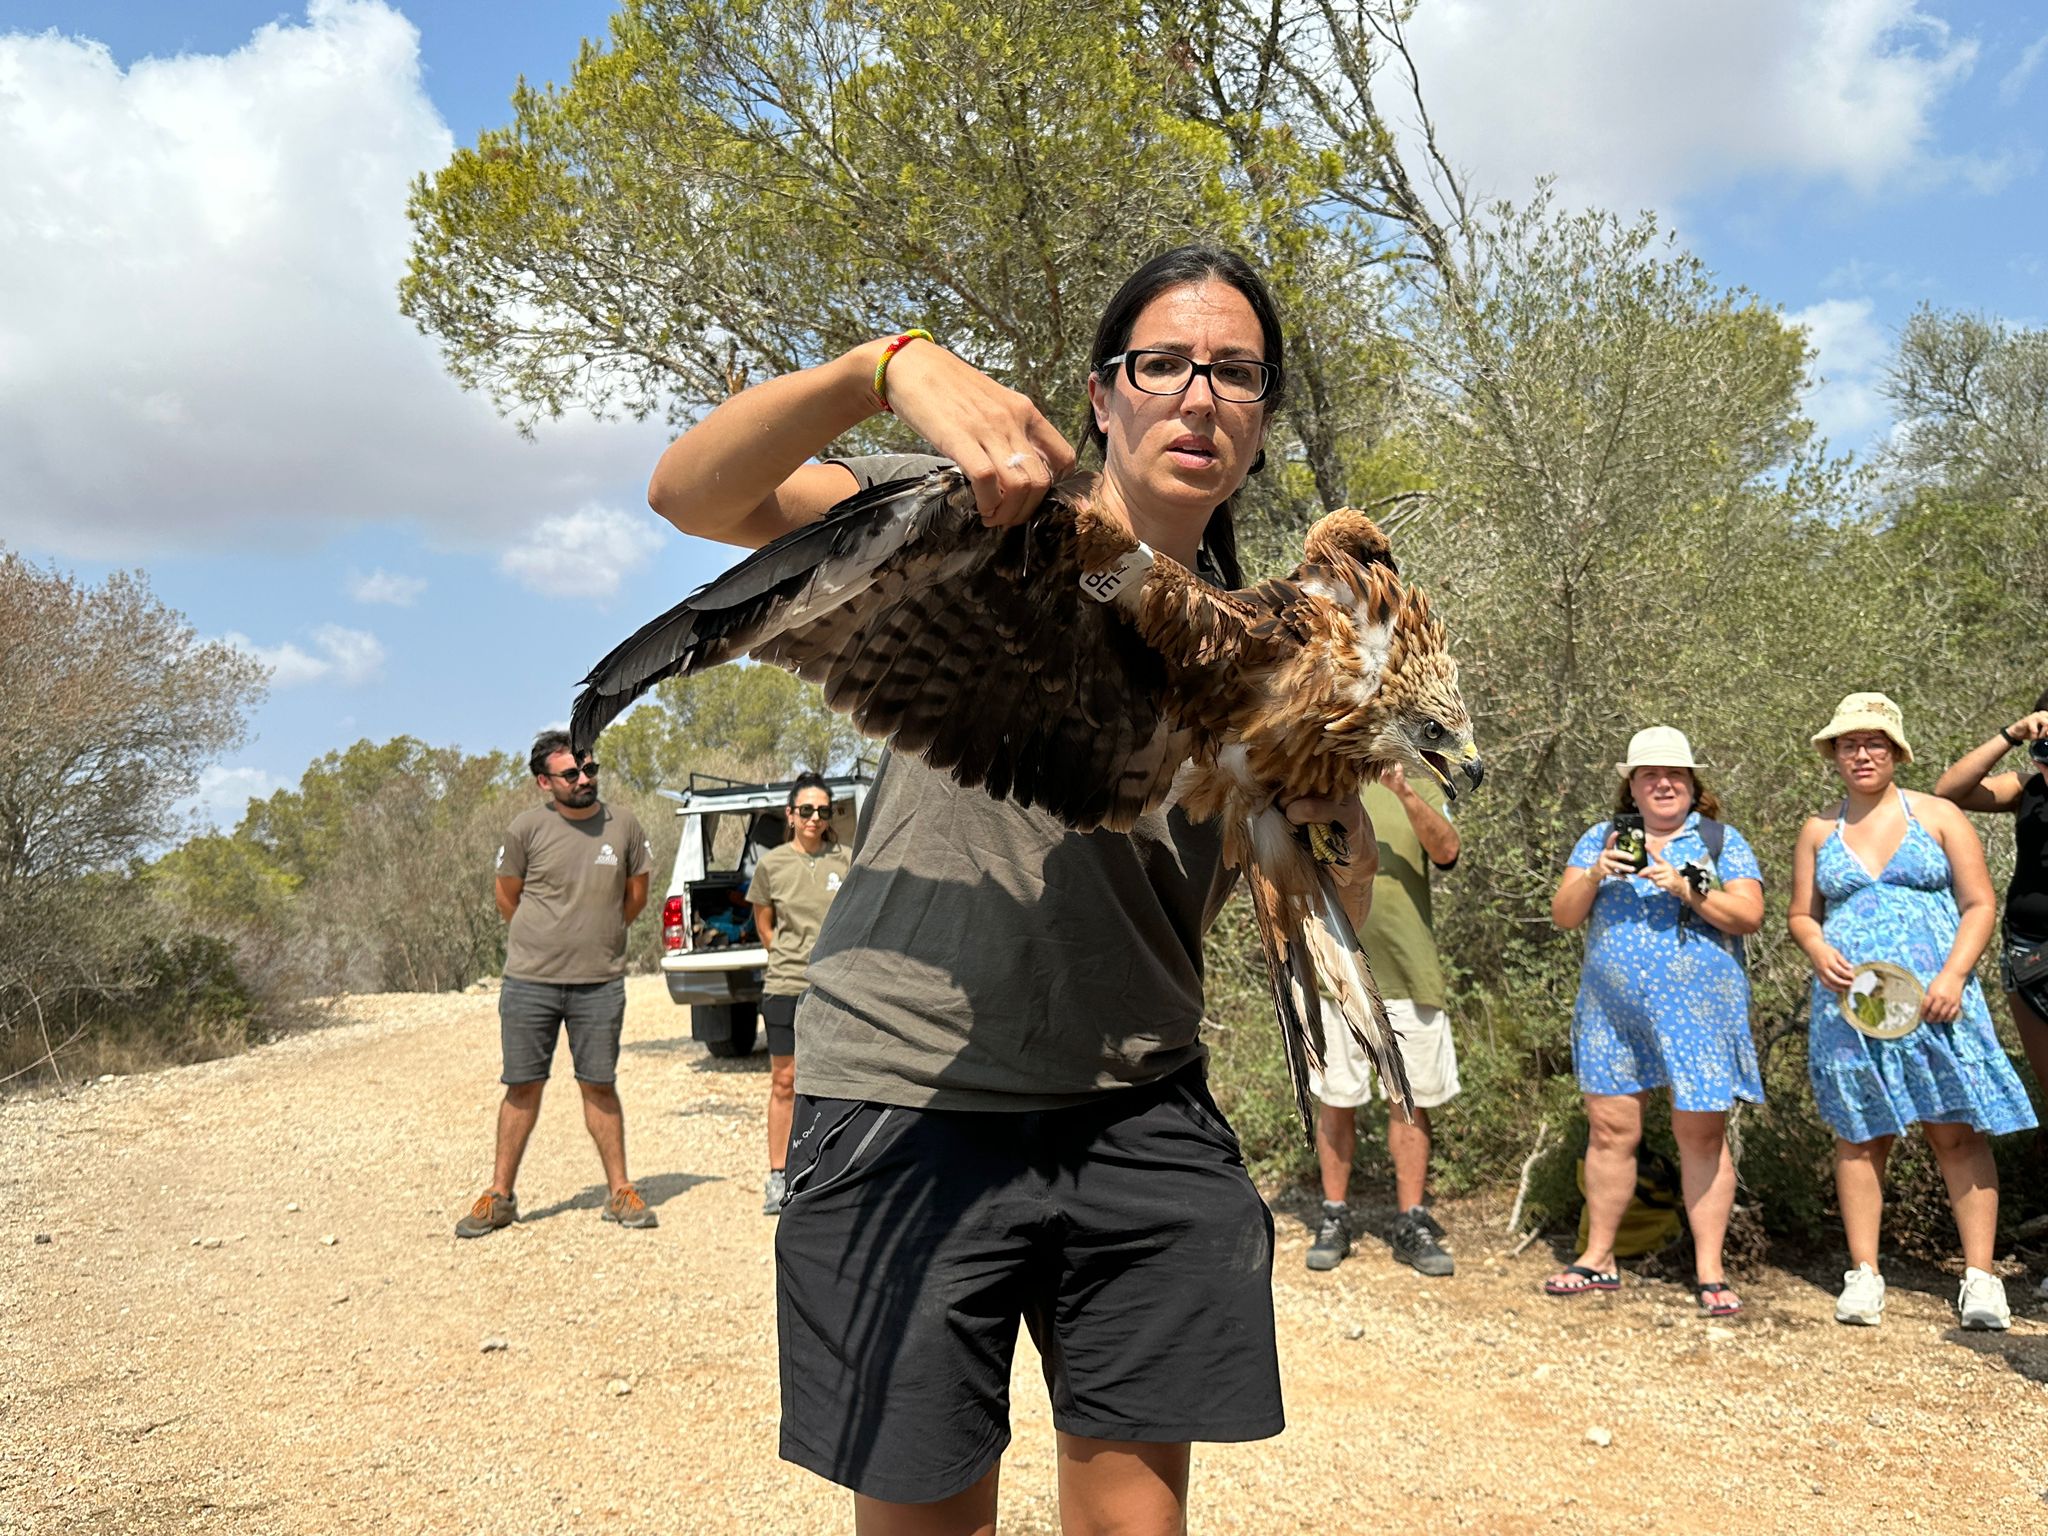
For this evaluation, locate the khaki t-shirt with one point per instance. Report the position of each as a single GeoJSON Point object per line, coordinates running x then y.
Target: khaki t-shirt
{"type": "Point", "coordinates": [983, 956]}
{"type": "Point", "coordinates": [1398, 936]}
{"type": "Point", "coordinates": [570, 924]}
{"type": "Point", "coordinates": [799, 886]}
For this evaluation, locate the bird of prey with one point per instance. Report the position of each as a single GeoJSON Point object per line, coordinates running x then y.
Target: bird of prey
{"type": "Point", "coordinates": [1062, 663]}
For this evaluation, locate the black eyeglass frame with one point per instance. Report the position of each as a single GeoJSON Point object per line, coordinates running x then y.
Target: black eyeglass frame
{"type": "Point", "coordinates": [810, 812]}
{"type": "Point", "coordinates": [580, 771]}
{"type": "Point", "coordinates": [1269, 373]}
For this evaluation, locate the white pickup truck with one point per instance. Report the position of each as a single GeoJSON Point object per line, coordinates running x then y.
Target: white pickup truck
{"type": "Point", "coordinates": [710, 952]}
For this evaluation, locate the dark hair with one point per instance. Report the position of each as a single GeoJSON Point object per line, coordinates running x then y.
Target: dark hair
{"type": "Point", "coordinates": [1704, 800]}
{"type": "Point", "coordinates": [545, 746]}
{"type": "Point", "coordinates": [809, 779]}
{"type": "Point", "coordinates": [2041, 703]}
{"type": "Point", "coordinates": [1174, 269]}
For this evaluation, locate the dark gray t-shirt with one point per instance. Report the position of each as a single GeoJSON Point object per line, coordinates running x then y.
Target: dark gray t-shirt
{"type": "Point", "coordinates": [982, 956]}
{"type": "Point", "coordinates": [570, 924]}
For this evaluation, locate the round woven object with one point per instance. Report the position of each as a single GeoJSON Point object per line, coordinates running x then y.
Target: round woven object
{"type": "Point", "coordinates": [1883, 1001]}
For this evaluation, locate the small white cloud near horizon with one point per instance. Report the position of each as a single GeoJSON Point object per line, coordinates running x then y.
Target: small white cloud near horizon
{"type": "Point", "coordinates": [350, 657]}
{"type": "Point", "coordinates": [223, 795]}
{"type": "Point", "coordinates": [2014, 80]}
{"type": "Point", "coordinates": [586, 553]}
{"type": "Point", "coordinates": [1845, 395]}
{"type": "Point", "coordinates": [386, 587]}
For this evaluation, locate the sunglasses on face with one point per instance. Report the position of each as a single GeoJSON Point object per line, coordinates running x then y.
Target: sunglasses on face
{"type": "Point", "coordinates": [583, 770]}
{"type": "Point", "coordinates": [806, 812]}
{"type": "Point", "coordinates": [1238, 379]}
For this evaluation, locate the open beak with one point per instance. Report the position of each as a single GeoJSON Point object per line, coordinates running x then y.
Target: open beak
{"type": "Point", "coordinates": [1467, 763]}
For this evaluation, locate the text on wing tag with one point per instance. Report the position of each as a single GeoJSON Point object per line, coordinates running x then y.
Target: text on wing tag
{"type": "Point", "coordinates": [1104, 585]}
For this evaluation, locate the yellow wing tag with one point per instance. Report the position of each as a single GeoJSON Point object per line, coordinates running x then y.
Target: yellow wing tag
{"type": "Point", "coordinates": [1104, 585]}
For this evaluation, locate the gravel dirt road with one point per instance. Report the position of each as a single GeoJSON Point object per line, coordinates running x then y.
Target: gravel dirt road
{"type": "Point", "coordinates": [250, 1315]}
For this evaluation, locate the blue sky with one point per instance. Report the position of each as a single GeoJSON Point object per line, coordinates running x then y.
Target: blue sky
{"type": "Point", "coordinates": [203, 372]}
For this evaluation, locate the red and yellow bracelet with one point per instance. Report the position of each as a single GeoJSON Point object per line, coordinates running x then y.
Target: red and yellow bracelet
{"type": "Point", "coordinates": [882, 367]}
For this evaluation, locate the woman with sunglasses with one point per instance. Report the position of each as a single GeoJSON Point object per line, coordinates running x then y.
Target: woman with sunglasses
{"type": "Point", "coordinates": [1002, 1113]}
{"type": "Point", "coordinates": [1900, 877]}
{"type": "Point", "coordinates": [1971, 784]}
{"type": "Point", "coordinates": [791, 891]}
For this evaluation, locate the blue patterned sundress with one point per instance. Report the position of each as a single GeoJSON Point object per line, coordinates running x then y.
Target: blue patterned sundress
{"type": "Point", "coordinates": [1663, 1001]}
{"type": "Point", "coordinates": [1943, 1073]}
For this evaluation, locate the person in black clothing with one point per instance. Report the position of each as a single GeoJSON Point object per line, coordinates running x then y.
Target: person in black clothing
{"type": "Point", "coordinates": [1971, 784]}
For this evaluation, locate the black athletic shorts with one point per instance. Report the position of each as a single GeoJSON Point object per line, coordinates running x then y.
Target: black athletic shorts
{"type": "Point", "coordinates": [1125, 1233]}
{"type": "Point", "coordinates": [778, 1014]}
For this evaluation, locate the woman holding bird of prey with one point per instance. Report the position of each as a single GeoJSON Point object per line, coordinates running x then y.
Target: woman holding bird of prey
{"type": "Point", "coordinates": [1002, 1112]}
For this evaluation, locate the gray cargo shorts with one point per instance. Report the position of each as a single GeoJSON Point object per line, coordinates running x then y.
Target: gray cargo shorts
{"type": "Point", "coordinates": [530, 1013]}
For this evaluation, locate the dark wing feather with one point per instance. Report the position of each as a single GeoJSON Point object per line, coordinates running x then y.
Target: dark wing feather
{"type": "Point", "coordinates": [973, 648]}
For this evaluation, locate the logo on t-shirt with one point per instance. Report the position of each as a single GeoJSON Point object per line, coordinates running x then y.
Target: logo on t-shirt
{"type": "Point", "coordinates": [606, 856]}
{"type": "Point", "coordinates": [501, 856]}
{"type": "Point", "coordinates": [832, 880]}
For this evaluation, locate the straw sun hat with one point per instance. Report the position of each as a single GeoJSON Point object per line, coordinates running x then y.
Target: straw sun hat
{"type": "Point", "coordinates": [1865, 712]}
{"type": "Point", "coordinates": [1660, 746]}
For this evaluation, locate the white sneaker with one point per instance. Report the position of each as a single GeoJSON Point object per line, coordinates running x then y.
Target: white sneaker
{"type": "Point", "coordinates": [1862, 1298]}
{"type": "Point", "coordinates": [1981, 1301]}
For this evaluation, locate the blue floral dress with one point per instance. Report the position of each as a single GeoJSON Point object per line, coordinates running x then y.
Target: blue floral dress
{"type": "Point", "coordinates": [1944, 1073]}
{"type": "Point", "coordinates": [1664, 1001]}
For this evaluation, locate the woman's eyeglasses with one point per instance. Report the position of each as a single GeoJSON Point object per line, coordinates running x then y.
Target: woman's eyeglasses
{"type": "Point", "coordinates": [806, 812]}
{"type": "Point", "coordinates": [1241, 380]}
{"type": "Point", "coordinates": [583, 770]}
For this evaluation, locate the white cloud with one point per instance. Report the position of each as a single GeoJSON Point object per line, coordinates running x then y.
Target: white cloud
{"type": "Point", "coordinates": [223, 795]}
{"type": "Point", "coordinates": [386, 587]}
{"type": "Point", "coordinates": [1845, 396]}
{"type": "Point", "coordinates": [350, 657]}
{"type": "Point", "coordinates": [2015, 79]}
{"type": "Point", "coordinates": [199, 334]}
{"type": "Point", "coordinates": [1636, 105]}
{"type": "Point", "coordinates": [584, 554]}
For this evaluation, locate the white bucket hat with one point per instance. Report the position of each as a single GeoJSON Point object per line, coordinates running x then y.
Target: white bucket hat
{"type": "Point", "coordinates": [1660, 746]}
{"type": "Point", "coordinates": [1865, 712]}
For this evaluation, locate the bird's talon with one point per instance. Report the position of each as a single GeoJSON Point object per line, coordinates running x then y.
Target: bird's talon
{"type": "Point", "coordinates": [1327, 843]}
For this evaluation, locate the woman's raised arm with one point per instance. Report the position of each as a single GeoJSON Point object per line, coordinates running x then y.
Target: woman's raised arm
{"type": "Point", "coordinates": [742, 475]}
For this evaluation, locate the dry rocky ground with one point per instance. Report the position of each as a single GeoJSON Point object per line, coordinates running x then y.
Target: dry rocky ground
{"type": "Point", "coordinates": [250, 1316]}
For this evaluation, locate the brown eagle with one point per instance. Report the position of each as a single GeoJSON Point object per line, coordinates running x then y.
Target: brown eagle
{"type": "Point", "coordinates": [1064, 664]}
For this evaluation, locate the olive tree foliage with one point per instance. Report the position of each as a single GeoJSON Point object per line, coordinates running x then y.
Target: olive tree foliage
{"type": "Point", "coordinates": [113, 707]}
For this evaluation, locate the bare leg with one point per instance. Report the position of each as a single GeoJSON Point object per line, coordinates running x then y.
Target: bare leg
{"type": "Point", "coordinates": [781, 1107]}
{"type": "Point", "coordinates": [1408, 1145]}
{"type": "Point", "coordinates": [2033, 1037]}
{"type": "Point", "coordinates": [1707, 1177]}
{"type": "Point", "coordinates": [1859, 1187]}
{"type": "Point", "coordinates": [1336, 1141]}
{"type": "Point", "coordinates": [970, 1513]}
{"type": "Point", "coordinates": [1122, 1488]}
{"type": "Point", "coordinates": [516, 1117]}
{"type": "Point", "coordinates": [605, 1118]}
{"type": "Point", "coordinates": [1971, 1173]}
{"type": "Point", "coordinates": [1614, 1130]}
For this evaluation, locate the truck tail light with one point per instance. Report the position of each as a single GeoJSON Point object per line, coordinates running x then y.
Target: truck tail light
{"type": "Point", "coordinates": [672, 923]}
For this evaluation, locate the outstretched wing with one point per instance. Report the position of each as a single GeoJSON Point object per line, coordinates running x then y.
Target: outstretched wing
{"type": "Point", "coordinates": [1012, 659]}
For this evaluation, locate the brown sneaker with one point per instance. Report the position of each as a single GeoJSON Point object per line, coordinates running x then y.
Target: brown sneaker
{"type": "Point", "coordinates": [491, 1211]}
{"type": "Point", "coordinates": [628, 1209]}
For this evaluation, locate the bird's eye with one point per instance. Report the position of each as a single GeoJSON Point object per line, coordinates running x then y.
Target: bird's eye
{"type": "Point", "coordinates": [1432, 731]}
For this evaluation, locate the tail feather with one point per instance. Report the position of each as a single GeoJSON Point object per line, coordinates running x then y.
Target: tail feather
{"type": "Point", "coordinates": [1345, 975]}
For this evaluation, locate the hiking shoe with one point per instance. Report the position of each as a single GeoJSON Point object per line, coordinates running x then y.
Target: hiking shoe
{"type": "Point", "coordinates": [1981, 1301]}
{"type": "Point", "coordinates": [1862, 1298]}
{"type": "Point", "coordinates": [774, 1192]}
{"type": "Point", "coordinates": [1415, 1244]}
{"type": "Point", "coordinates": [628, 1209]}
{"type": "Point", "coordinates": [1333, 1238]}
{"type": "Point", "coordinates": [491, 1211]}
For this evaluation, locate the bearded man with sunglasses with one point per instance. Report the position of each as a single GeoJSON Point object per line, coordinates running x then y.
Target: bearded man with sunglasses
{"type": "Point", "coordinates": [572, 874]}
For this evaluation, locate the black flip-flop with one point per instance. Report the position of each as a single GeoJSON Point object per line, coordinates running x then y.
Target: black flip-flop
{"type": "Point", "coordinates": [1717, 1298]}
{"type": "Point", "coordinates": [1589, 1280]}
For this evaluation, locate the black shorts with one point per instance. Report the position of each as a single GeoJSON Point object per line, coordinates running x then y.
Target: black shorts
{"type": "Point", "coordinates": [778, 1016]}
{"type": "Point", "coordinates": [1125, 1233]}
{"type": "Point", "coordinates": [532, 1013]}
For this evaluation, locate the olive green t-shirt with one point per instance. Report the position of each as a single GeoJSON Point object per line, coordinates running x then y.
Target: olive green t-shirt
{"type": "Point", "coordinates": [570, 924]}
{"type": "Point", "coordinates": [1398, 936]}
{"type": "Point", "coordinates": [799, 887]}
{"type": "Point", "coordinates": [983, 956]}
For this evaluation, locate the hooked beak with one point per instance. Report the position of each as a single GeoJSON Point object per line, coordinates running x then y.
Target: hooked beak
{"type": "Point", "coordinates": [1467, 763]}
